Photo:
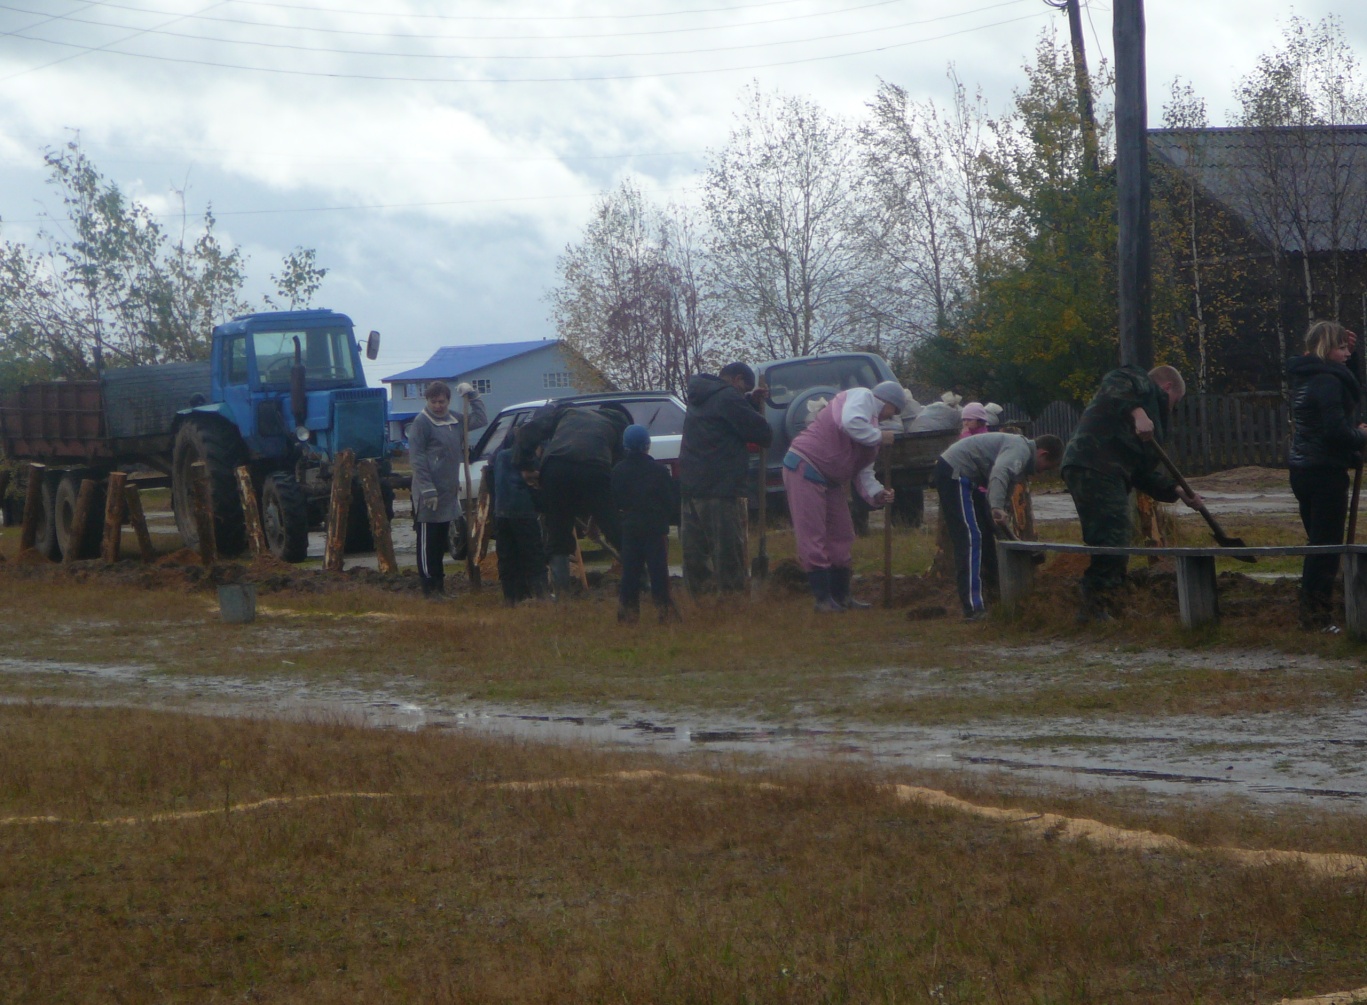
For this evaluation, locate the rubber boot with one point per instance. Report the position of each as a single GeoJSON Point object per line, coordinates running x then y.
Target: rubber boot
{"type": "Point", "coordinates": [840, 590]}
{"type": "Point", "coordinates": [820, 582]}
{"type": "Point", "coordinates": [1093, 606]}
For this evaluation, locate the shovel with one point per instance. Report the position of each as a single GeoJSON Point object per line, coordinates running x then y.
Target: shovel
{"type": "Point", "coordinates": [1221, 538]}
{"type": "Point", "coordinates": [759, 565]}
{"type": "Point", "coordinates": [471, 559]}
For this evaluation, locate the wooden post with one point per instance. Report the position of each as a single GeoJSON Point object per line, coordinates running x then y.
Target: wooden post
{"type": "Point", "coordinates": [484, 511]}
{"type": "Point", "coordinates": [1015, 578]}
{"type": "Point", "coordinates": [114, 506]}
{"type": "Point", "coordinates": [1355, 595]}
{"type": "Point", "coordinates": [1132, 184]}
{"type": "Point", "coordinates": [1197, 599]}
{"type": "Point", "coordinates": [138, 521]}
{"type": "Point", "coordinates": [5, 475]}
{"type": "Point", "coordinates": [80, 521]}
{"type": "Point", "coordinates": [33, 506]}
{"type": "Point", "coordinates": [577, 564]}
{"type": "Point", "coordinates": [251, 511]}
{"type": "Point", "coordinates": [339, 510]}
{"type": "Point", "coordinates": [379, 519]}
{"type": "Point", "coordinates": [203, 509]}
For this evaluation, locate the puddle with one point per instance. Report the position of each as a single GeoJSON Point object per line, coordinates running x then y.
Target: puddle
{"type": "Point", "coordinates": [1275, 756]}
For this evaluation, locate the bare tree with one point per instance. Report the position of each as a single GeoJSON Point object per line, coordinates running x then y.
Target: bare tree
{"type": "Point", "coordinates": [105, 284]}
{"type": "Point", "coordinates": [629, 300]}
{"type": "Point", "coordinates": [926, 221]}
{"type": "Point", "coordinates": [1305, 179]}
{"type": "Point", "coordinates": [785, 259]}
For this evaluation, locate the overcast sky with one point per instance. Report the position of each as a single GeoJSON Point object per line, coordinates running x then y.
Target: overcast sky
{"type": "Point", "coordinates": [440, 155]}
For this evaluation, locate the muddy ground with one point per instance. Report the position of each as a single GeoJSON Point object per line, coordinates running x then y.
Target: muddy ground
{"type": "Point", "coordinates": [1313, 756]}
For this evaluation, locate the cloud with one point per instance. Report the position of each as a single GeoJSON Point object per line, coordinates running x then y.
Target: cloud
{"type": "Point", "coordinates": [487, 181]}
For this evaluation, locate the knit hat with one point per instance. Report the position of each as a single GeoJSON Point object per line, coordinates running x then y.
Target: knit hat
{"type": "Point", "coordinates": [975, 410]}
{"type": "Point", "coordinates": [637, 439]}
{"type": "Point", "coordinates": [891, 392]}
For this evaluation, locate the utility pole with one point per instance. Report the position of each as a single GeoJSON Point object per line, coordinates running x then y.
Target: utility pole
{"type": "Point", "coordinates": [1083, 81]}
{"type": "Point", "coordinates": [1132, 184]}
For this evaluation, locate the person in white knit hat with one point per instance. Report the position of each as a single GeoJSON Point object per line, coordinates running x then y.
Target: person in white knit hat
{"type": "Point", "coordinates": [837, 447]}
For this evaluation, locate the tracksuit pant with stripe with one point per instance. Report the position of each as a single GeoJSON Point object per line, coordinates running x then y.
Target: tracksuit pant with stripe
{"type": "Point", "coordinates": [432, 544]}
{"type": "Point", "coordinates": [965, 513]}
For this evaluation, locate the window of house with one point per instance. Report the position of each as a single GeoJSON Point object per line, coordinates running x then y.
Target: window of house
{"type": "Point", "coordinates": [560, 379]}
{"type": "Point", "coordinates": [482, 384]}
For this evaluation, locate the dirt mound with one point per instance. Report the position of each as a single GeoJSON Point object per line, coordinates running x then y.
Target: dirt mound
{"type": "Point", "coordinates": [181, 556]}
{"type": "Point", "coordinates": [31, 556]}
{"type": "Point", "coordinates": [1245, 479]}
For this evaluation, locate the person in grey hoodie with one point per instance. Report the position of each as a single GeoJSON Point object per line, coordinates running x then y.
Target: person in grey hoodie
{"type": "Point", "coordinates": [436, 450]}
{"type": "Point", "coordinates": [997, 461]}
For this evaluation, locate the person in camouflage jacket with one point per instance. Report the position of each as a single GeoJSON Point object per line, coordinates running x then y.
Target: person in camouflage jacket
{"type": "Point", "coordinates": [1108, 456]}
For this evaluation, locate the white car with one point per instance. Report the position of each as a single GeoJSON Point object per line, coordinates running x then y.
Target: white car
{"type": "Point", "coordinates": [659, 411]}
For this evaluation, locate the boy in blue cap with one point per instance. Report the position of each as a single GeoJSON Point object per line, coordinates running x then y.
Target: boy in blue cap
{"type": "Point", "coordinates": [643, 492]}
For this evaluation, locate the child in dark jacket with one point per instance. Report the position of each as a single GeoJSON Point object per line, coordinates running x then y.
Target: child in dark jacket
{"type": "Point", "coordinates": [517, 532]}
{"type": "Point", "coordinates": [643, 493]}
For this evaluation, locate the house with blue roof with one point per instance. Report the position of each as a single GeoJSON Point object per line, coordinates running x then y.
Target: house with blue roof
{"type": "Point", "coordinates": [504, 373]}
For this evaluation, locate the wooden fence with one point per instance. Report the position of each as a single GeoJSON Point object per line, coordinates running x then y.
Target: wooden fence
{"type": "Point", "coordinates": [1210, 432]}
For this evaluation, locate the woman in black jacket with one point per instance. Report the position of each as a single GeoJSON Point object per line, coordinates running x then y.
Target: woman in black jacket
{"type": "Point", "coordinates": [1327, 442]}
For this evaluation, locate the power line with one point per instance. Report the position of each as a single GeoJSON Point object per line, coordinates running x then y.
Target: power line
{"type": "Point", "coordinates": [557, 36]}
{"type": "Point", "coordinates": [498, 17]}
{"type": "Point", "coordinates": [292, 72]}
{"type": "Point", "coordinates": [99, 48]}
{"type": "Point", "coordinates": [574, 56]}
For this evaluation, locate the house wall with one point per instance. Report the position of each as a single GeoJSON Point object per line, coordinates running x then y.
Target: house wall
{"type": "Point", "coordinates": [529, 377]}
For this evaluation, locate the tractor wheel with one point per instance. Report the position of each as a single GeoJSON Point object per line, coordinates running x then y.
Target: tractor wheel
{"type": "Point", "coordinates": [219, 446]}
{"type": "Point", "coordinates": [285, 517]}
{"type": "Point", "coordinates": [84, 542]}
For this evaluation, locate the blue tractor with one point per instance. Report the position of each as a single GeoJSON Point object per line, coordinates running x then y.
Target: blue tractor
{"type": "Point", "coordinates": [286, 393]}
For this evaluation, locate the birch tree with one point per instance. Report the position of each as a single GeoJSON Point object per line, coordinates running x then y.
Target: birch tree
{"type": "Point", "coordinates": [784, 255]}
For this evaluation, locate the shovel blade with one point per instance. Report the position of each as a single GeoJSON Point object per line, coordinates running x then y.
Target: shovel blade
{"type": "Point", "coordinates": [1225, 541]}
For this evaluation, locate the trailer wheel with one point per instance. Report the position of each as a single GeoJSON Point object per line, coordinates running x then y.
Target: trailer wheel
{"type": "Point", "coordinates": [285, 517]}
{"type": "Point", "coordinates": [220, 448]}
{"type": "Point", "coordinates": [85, 542]}
{"type": "Point", "coordinates": [45, 538]}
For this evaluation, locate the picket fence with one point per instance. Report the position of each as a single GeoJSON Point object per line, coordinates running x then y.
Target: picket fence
{"type": "Point", "coordinates": [1210, 432]}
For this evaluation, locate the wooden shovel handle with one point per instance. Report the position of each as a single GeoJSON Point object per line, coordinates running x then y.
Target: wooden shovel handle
{"type": "Point", "coordinates": [1177, 477]}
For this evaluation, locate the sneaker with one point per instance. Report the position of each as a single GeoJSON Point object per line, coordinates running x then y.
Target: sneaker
{"type": "Point", "coordinates": [1331, 629]}
{"type": "Point", "coordinates": [976, 616]}
{"type": "Point", "coordinates": [828, 606]}
{"type": "Point", "coordinates": [854, 604]}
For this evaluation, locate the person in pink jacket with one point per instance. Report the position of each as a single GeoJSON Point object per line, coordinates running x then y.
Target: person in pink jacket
{"type": "Point", "coordinates": [836, 448]}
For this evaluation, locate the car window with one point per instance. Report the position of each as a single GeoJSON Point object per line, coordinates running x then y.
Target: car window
{"type": "Point", "coordinates": [787, 380]}
{"type": "Point", "coordinates": [659, 415]}
{"type": "Point", "coordinates": [495, 435]}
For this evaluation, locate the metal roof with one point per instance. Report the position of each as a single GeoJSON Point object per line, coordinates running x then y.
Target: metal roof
{"type": "Point", "coordinates": [1296, 188]}
{"type": "Point", "coordinates": [457, 360]}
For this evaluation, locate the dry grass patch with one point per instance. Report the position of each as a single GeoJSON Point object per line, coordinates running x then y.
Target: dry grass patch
{"type": "Point", "coordinates": [810, 887]}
